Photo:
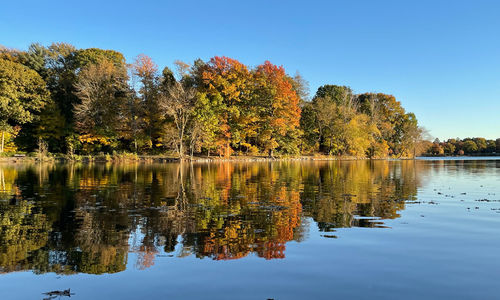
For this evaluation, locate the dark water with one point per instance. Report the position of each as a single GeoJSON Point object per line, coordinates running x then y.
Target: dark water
{"type": "Point", "coordinates": [424, 229]}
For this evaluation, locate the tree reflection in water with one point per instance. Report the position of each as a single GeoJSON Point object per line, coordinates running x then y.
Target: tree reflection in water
{"type": "Point", "coordinates": [72, 218]}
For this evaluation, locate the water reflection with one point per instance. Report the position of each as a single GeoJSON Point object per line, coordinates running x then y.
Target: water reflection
{"type": "Point", "coordinates": [78, 218]}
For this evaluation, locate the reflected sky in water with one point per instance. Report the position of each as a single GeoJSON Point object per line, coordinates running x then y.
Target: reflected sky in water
{"type": "Point", "coordinates": [282, 230]}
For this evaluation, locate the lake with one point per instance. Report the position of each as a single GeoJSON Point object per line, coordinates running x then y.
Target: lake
{"type": "Point", "coordinates": [410, 229]}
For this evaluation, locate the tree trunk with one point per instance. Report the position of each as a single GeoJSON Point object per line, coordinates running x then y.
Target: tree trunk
{"type": "Point", "coordinates": [181, 146]}
{"type": "Point", "coordinates": [3, 138]}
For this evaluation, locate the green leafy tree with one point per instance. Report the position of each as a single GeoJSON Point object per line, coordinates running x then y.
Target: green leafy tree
{"type": "Point", "coordinates": [481, 143]}
{"type": "Point", "coordinates": [449, 148]}
{"type": "Point", "coordinates": [36, 59]}
{"type": "Point", "coordinates": [22, 96]}
{"type": "Point", "coordinates": [336, 116]}
{"type": "Point", "coordinates": [335, 93]}
{"type": "Point", "coordinates": [311, 128]}
{"type": "Point", "coordinates": [408, 136]}
{"type": "Point", "coordinates": [491, 146]}
{"type": "Point", "coordinates": [469, 146]}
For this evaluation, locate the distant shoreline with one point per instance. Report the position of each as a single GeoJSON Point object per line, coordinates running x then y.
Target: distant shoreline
{"type": "Point", "coordinates": [468, 155]}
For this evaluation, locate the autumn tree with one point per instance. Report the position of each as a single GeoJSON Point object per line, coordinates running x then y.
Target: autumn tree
{"type": "Point", "coordinates": [10, 54]}
{"type": "Point", "coordinates": [226, 84]}
{"type": "Point", "coordinates": [102, 90]}
{"type": "Point", "coordinates": [301, 87]}
{"type": "Point", "coordinates": [399, 133]}
{"type": "Point", "coordinates": [149, 92]}
{"type": "Point", "coordinates": [278, 109]}
{"type": "Point", "coordinates": [179, 103]}
{"type": "Point", "coordinates": [467, 146]}
{"type": "Point", "coordinates": [220, 105]}
{"type": "Point", "coordinates": [85, 57]}
{"type": "Point", "coordinates": [334, 110]}
{"type": "Point", "coordinates": [385, 113]}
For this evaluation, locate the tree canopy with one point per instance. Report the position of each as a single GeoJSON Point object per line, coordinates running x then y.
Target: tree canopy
{"type": "Point", "coordinates": [91, 100]}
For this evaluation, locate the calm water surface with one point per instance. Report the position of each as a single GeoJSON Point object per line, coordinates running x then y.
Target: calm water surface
{"type": "Point", "coordinates": [424, 229]}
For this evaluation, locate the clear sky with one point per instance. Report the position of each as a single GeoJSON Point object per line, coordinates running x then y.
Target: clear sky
{"type": "Point", "coordinates": [441, 59]}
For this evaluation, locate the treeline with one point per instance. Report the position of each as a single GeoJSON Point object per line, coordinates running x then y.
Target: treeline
{"type": "Point", "coordinates": [83, 101]}
{"type": "Point", "coordinates": [468, 146]}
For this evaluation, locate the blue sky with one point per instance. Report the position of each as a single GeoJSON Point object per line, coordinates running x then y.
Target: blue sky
{"type": "Point", "coordinates": [441, 59]}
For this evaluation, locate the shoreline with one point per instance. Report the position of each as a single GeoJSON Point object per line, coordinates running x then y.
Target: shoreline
{"type": "Point", "coordinates": [202, 159]}
{"type": "Point", "coordinates": [170, 159]}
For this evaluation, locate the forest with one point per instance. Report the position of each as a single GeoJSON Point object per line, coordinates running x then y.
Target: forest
{"type": "Point", "coordinates": [469, 146]}
{"type": "Point", "coordinates": [60, 99]}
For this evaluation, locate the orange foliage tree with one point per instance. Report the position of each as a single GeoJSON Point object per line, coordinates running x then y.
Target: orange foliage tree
{"type": "Point", "coordinates": [279, 111]}
{"type": "Point", "coordinates": [227, 83]}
